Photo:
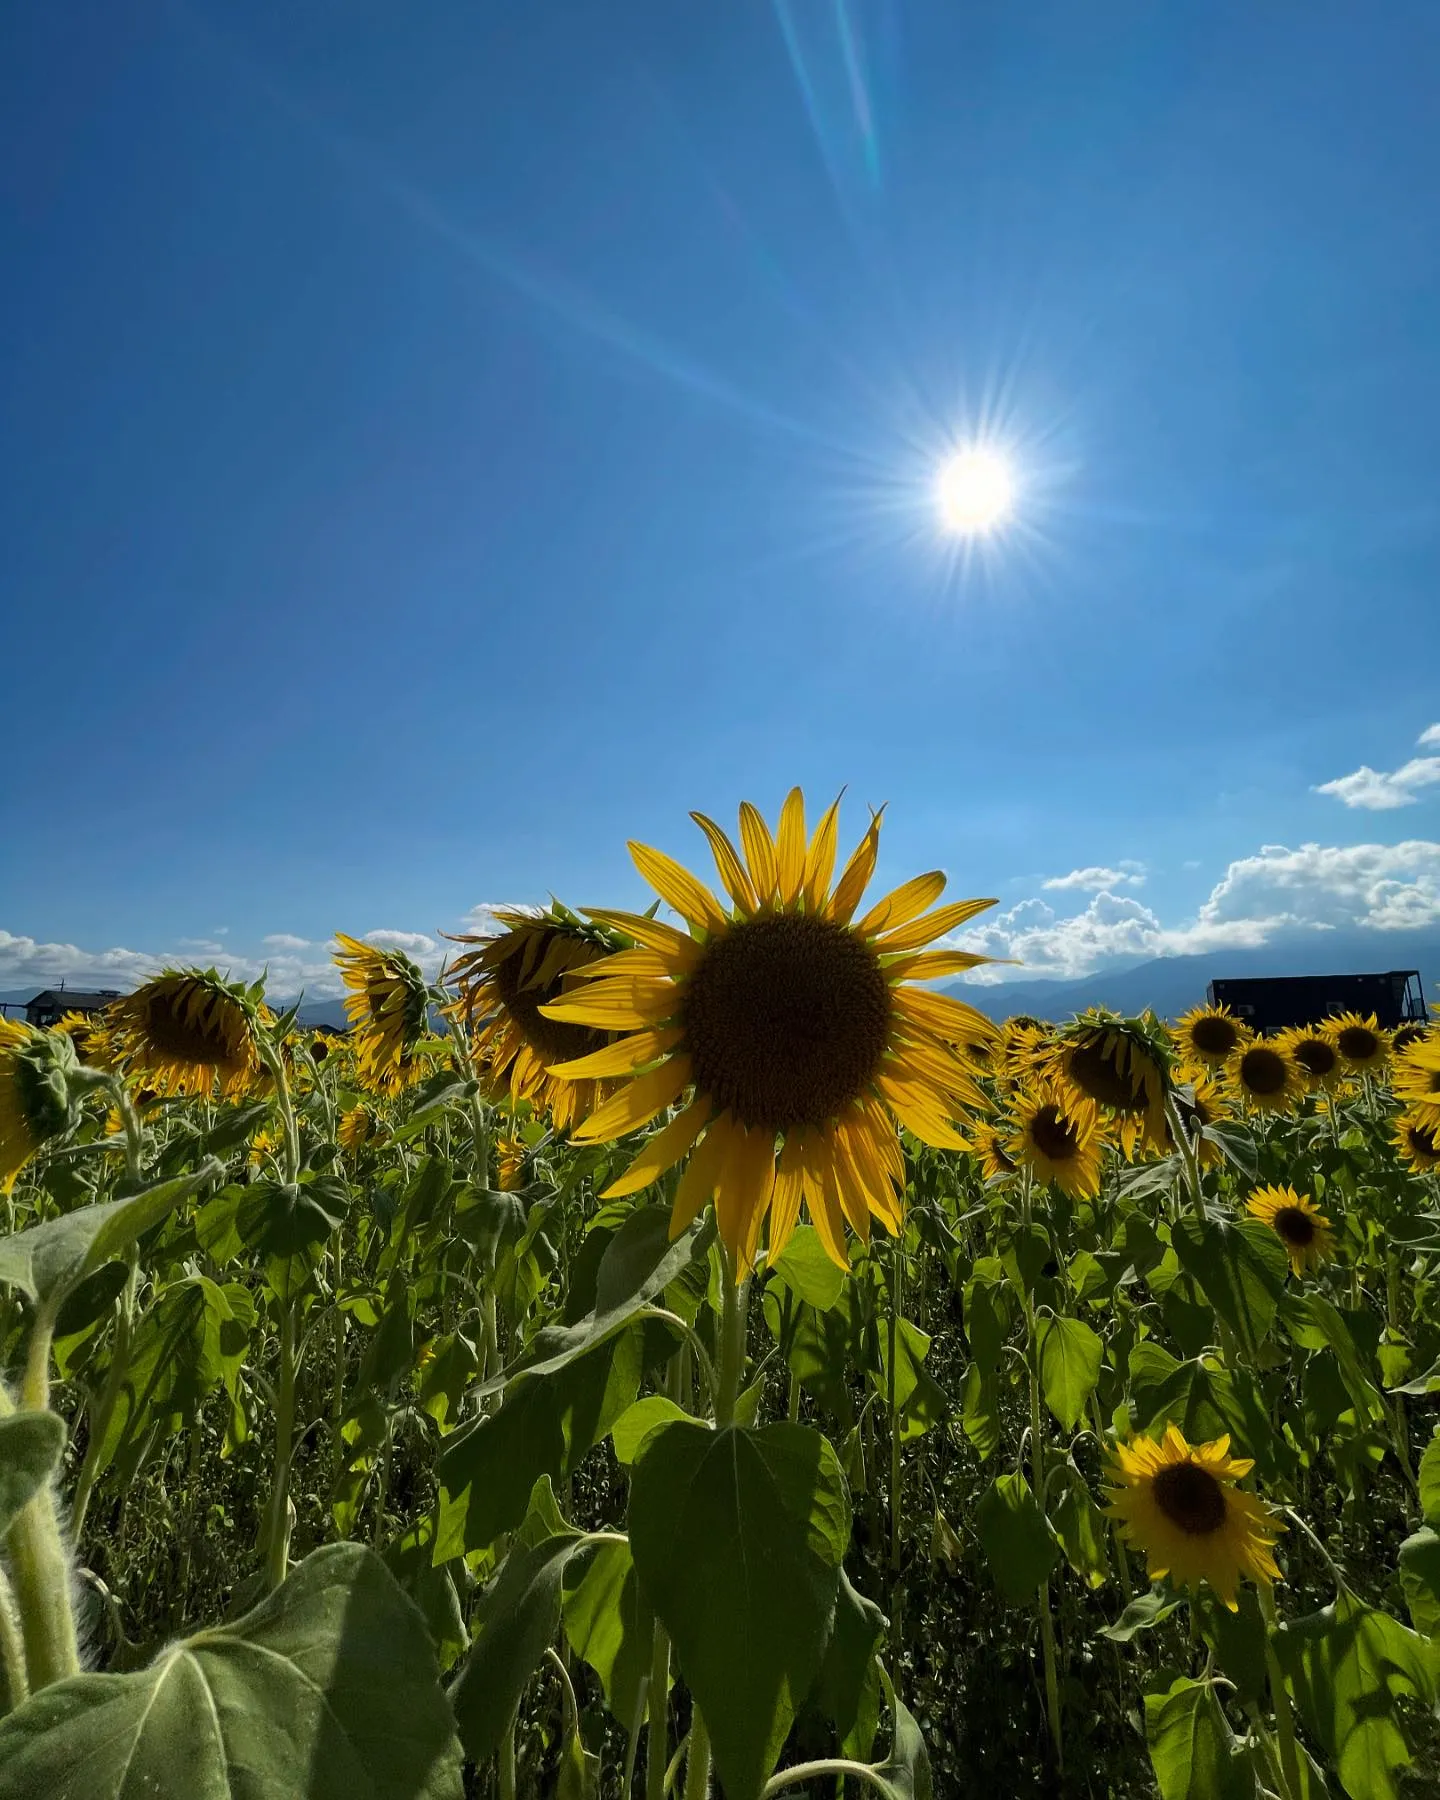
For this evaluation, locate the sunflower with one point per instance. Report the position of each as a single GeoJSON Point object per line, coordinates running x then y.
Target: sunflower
{"type": "Point", "coordinates": [264, 1143]}
{"type": "Point", "coordinates": [991, 1141]}
{"type": "Point", "coordinates": [1363, 1046]}
{"type": "Point", "coordinates": [1405, 1037]}
{"type": "Point", "coordinates": [1418, 1142]}
{"type": "Point", "coordinates": [1266, 1076]}
{"type": "Point", "coordinates": [1199, 1102]}
{"type": "Point", "coordinates": [510, 1162]}
{"type": "Point", "coordinates": [1306, 1233]}
{"type": "Point", "coordinates": [90, 1035]}
{"type": "Point", "coordinates": [37, 1098]}
{"type": "Point", "coordinates": [1416, 1080]}
{"type": "Point", "coordinates": [1179, 1504]}
{"type": "Point", "coordinates": [1025, 1044]}
{"type": "Point", "coordinates": [788, 1023]}
{"type": "Point", "coordinates": [185, 1030]}
{"type": "Point", "coordinates": [1123, 1067]}
{"type": "Point", "coordinates": [503, 984]}
{"type": "Point", "coordinates": [1315, 1055]}
{"type": "Point", "coordinates": [388, 1007]}
{"type": "Point", "coordinates": [1057, 1137]}
{"type": "Point", "coordinates": [1208, 1036]}
{"type": "Point", "coordinates": [358, 1127]}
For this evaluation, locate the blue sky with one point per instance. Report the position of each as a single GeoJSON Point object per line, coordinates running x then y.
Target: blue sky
{"type": "Point", "coordinates": [442, 442]}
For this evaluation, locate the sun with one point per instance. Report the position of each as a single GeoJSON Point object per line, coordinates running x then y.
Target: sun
{"type": "Point", "coordinates": [975, 491]}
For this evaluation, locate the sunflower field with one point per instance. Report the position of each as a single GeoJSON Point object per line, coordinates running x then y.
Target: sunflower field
{"type": "Point", "coordinates": [693, 1352]}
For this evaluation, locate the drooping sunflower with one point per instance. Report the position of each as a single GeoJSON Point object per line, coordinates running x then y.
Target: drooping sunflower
{"type": "Point", "coordinates": [1418, 1142]}
{"type": "Point", "coordinates": [1208, 1036]}
{"type": "Point", "coordinates": [1025, 1047]}
{"type": "Point", "coordinates": [1306, 1233]}
{"type": "Point", "coordinates": [358, 1127]}
{"type": "Point", "coordinates": [187, 1031]}
{"type": "Point", "coordinates": [1266, 1076]}
{"type": "Point", "coordinates": [90, 1035]}
{"type": "Point", "coordinates": [1057, 1136]}
{"type": "Point", "coordinates": [37, 1100]}
{"type": "Point", "coordinates": [1316, 1057]}
{"type": "Point", "coordinates": [388, 1007]}
{"type": "Point", "coordinates": [1199, 1102]}
{"type": "Point", "coordinates": [790, 1023]}
{"type": "Point", "coordinates": [1416, 1080]}
{"type": "Point", "coordinates": [503, 984]}
{"type": "Point", "coordinates": [992, 1147]}
{"type": "Point", "coordinates": [1178, 1503]}
{"type": "Point", "coordinates": [1363, 1046]}
{"type": "Point", "coordinates": [509, 1163]}
{"type": "Point", "coordinates": [1123, 1067]}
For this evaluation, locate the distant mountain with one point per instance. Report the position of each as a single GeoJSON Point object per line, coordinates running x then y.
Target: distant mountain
{"type": "Point", "coordinates": [1171, 985]}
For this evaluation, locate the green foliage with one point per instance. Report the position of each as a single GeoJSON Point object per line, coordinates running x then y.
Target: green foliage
{"type": "Point", "coordinates": [1192, 1748]}
{"type": "Point", "coordinates": [30, 1448]}
{"type": "Point", "coordinates": [1020, 1545]}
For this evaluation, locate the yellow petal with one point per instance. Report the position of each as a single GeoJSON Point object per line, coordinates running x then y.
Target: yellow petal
{"type": "Point", "coordinates": [743, 1189]}
{"type": "Point", "coordinates": [929, 965]}
{"type": "Point", "coordinates": [728, 863]}
{"type": "Point", "coordinates": [620, 1058]}
{"type": "Point", "coordinates": [916, 1110]}
{"type": "Point", "coordinates": [949, 1019]}
{"type": "Point", "coordinates": [697, 1184]}
{"type": "Point", "coordinates": [820, 860]}
{"type": "Point", "coordinates": [637, 1103]}
{"type": "Point", "coordinates": [790, 846]}
{"type": "Point", "coordinates": [641, 965]}
{"type": "Point", "coordinates": [903, 903]}
{"type": "Point", "coordinates": [615, 1005]}
{"type": "Point", "coordinates": [759, 849]}
{"type": "Point", "coordinates": [690, 898]}
{"type": "Point", "coordinates": [789, 1191]}
{"type": "Point", "coordinates": [662, 1152]}
{"type": "Point", "coordinates": [933, 925]}
{"type": "Point", "coordinates": [677, 950]}
{"type": "Point", "coordinates": [855, 877]}
{"type": "Point", "coordinates": [823, 1205]}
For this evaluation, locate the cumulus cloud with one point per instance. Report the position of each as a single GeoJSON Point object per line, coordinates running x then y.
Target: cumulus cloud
{"type": "Point", "coordinates": [1375, 790]}
{"type": "Point", "coordinates": [1091, 879]}
{"type": "Point", "coordinates": [483, 920]}
{"type": "Point", "coordinates": [283, 940]}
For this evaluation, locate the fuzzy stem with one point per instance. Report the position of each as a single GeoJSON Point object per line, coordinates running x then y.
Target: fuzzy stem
{"type": "Point", "coordinates": [12, 1648]}
{"type": "Point", "coordinates": [277, 1539]}
{"type": "Point", "coordinates": [1280, 1700]}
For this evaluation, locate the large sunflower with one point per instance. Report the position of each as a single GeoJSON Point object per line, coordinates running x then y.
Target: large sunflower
{"type": "Point", "coordinates": [1315, 1055]}
{"type": "Point", "coordinates": [1123, 1067]}
{"type": "Point", "coordinates": [1208, 1036]}
{"type": "Point", "coordinates": [1416, 1080]}
{"type": "Point", "coordinates": [1306, 1233]}
{"type": "Point", "coordinates": [1363, 1046]}
{"type": "Point", "coordinates": [1418, 1142]}
{"type": "Point", "coordinates": [789, 1024]}
{"type": "Point", "coordinates": [37, 1100]}
{"type": "Point", "coordinates": [1179, 1504]}
{"type": "Point", "coordinates": [1057, 1137]}
{"type": "Point", "coordinates": [388, 1007]}
{"type": "Point", "coordinates": [1266, 1076]}
{"type": "Point", "coordinates": [187, 1030]}
{"type": "Point", "coordinates": [502, 985]}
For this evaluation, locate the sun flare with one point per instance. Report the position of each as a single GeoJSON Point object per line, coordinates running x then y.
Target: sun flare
{"type": "Point", "coordinates": [975, 491]}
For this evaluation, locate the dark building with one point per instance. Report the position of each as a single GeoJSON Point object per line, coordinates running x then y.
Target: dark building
{"type": "Point", "coordinates": [1273, 1002]}
{"type": "Point", "coordinates": [50, 1007]}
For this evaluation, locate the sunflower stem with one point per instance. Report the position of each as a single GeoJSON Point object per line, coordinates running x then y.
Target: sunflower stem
{"type": "Point", "coordinates": [12, 1649]}
{"type": "Point", "coordinates": [40, 1573]}
{"type": "Point", "coordinates": [1280, 1700]}
{"type": "Point", "coordinates": [657, 1737]}
{"type": "Point", "coordinates": [1037, 1481]}
{"type": "Point", "coordinates": [277, 1538]}
{"type": "Point", "coordinates": [895, 1295]}
{"type": "Point", "coordinates": [274, 1061]}
{"type": "Point", "coordinates": [1189, 1156]}
{"type": "Point", "coordinates": [134, 1130]}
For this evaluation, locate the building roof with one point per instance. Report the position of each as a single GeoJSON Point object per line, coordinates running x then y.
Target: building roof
{"type": "Point", "coordinates": [75, 999]}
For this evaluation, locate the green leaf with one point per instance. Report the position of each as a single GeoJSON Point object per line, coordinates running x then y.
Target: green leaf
{"type": "Point", "coordinates": [1420, 1578]}
{"type": "Point", "coordinates": [919, 1399]}
{"type": "Point", "coordinates": [847, 1690]}
{"type": "Point", "coordinates": [806, 1269]}
{"type": "Point", "coordinates": [1331, 1324]}
{"type": "Point", "coordinates": [630, 1430]}
{"type": "Point", "coordinates": [610, 1625]}
{"type": "Point", "coordinates": [1019, 1544]}
{"type": "Point", "coordinates": [738, 1536]}
{"type": "Point", "coordinates": [1430, 1482]}
{"type": "Point", "coordinates": [1192, 1748]}
{"type": "Point", "coordinates": [1349, 1666]}
{"type": "Point", "coordinates": [31, 1445]}
{"type": "Point", "coordinates": [1238, 1640]}
{"type": "Point", "coordinates": [906, 1770]}
{"type": "Point", "coordinates": [1143, 1611]}
{"type": "Point", "coordinates": [47, 1260]}
{"type": "Point", "coordinates": [1239, 1267]}
{"type": "Point", "coordinates": [328, 1690]}
{"type": "Point", "coordinates": [1070, 1357]}
{"type": "Point", "coordinates": [1080, 1526]}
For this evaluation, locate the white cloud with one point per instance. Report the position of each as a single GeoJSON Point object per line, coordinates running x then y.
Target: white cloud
{"type": "Point", "coordinates": [282, 940]}
{"type": "Point", "coordinates": [1087, 880]}
{"type": "Point", "coordinates": [1430, 735]}
{"type": "Point", "coordinates": [1374, 790]}
{"type": "Point", "coordinates": [483, 920]}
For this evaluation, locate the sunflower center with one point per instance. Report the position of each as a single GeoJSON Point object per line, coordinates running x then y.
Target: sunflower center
{"type": "Point", "coordinates": [1357, 1043]}
{"type": "Point", "coordinates": [1053, 1135]}
{"type": "Point", "coordinates": [1263, 1071]}
{"type": "Point", "coordinates": [552, 1040]}
{"type": "Point", "coordinates": [786, 1019]}
{"type": "Point", "coordinates": [1423, 1139]}
{"type": "Point", "coordinates": [1315, 1056]}
{"type": "Point", "coordinates": [1296, 1226]}
{"type": "Point", "coordinates": [1406, 1036]}
{"type": "Point", "coordinates": [1096, 1073]}
{"type": "Point", "coordinates": [1191, 1498]}
{"type": "Point", "coordinates": [197, 1039]}
{"type": "Point", "coordinates": [1213, 1036]}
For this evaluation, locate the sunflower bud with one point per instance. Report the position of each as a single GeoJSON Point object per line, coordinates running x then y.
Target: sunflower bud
{"type": "Point", "coordinates": [40, 1082]}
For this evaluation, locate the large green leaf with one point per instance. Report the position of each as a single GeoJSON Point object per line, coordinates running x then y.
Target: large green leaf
{"type": "Point", "coordinates": [1192, 1748]}
{"type": "Point", "coordinates": [1420, 1578]}
{"type": "Point", "coordinates": [906, 1770]}
{"type": "Point", "coordinates": [1020, 1547]}
{"type": "Point", "coordinates": [1239, 1267]}
{"type": "Point", "coordinates": [1430, 1481]}
{"type": "Point", "coordinates": [328, 1690]}
{"type": "Point", "coordinates": [739, 1536]}
{"type": "Point", "coordinates": [31, 1445]}
{"type": "Point", "coordinates": [1070, 1357]}
{"type": "Point", "coordinates": [638, 1420]}
{"type": "Point", "coordinates": [808, 1271]}
{"type": "Point", "coordinates": [609, 1624]}
{"type": "Point", "coordinates": [1350, 1665]}
{"type": "Point", "coordinates": [920, 1401]}
{"type": "Point", "coordinates": [847, 1689]}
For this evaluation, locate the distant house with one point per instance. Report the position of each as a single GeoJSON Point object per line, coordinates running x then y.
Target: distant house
{"type": "Point", "coordinates": [50, 1007]}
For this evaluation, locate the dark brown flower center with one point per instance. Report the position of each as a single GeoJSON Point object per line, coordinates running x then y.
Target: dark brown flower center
{"type": "Point", "coordinates": [1357, 1043]}
{"type": "Point", "coordinates": [1315, 1057]}
{"type": "Point", "coordinates": [1214, 1035]}
{"type": "Point", "coordinates": [1296, 1226]}
{"type": "Point", "coordinates": [1406, 1036]}
{"type": "Point", "coordinates": [552, 1040]}
{"type": "Point", "coordinates": [1095, 1070]}
{"type": "Point", "coordinates": [1262, 1071]}
{"type": "Point", "coordinates": [1191, 1498]}
{"type": "Point", "coordinates": [786, 1019]}
{"type": "Point", "coordinates": [205, 1038]}
{"type": "Point", "coordinates": [1053, 1135]}
{"type": "Point", "coordinates": [1423, 1139]}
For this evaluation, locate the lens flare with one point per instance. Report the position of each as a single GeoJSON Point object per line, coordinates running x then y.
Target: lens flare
{"type": "Point", "coordinates": [975, 492]}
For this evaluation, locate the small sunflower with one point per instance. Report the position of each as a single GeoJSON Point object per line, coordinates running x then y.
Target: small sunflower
{"type": "Point", "coordinates": [388, 1007]}
{"type": "Point", "coordinates": [510, 1163]}
{"type": "Point", "coordinates": [1316, 1057]}
{"type": "Point", "coordinates": [1025, 1045]}
{"type": "Point", "coordinates": [1363, 1046]}
{"type": "Point", "coordinates": [1199, 1102]}
{"type": "Point", "coordinates": [263, 1144]}
{"type": "Point", "coordinates": [37, 1099]}
{"type": "Point", "coordinates": [358, 1127]}
{"type": "Point", "coordinates": [1179, 1504]}
{"type": "Point", "coordinates": [1405, 1037]}
{"type": "Point", "coordinates": [1057, 1137]}
{"type": "Point", "coordinates": [185, 1030]}
{"type": "Point", "coordinates": [1416, 1080]}
{"type": "Point", "coordinates": [1418, 1142]}
{"type": "Point", "coordinates": [1266, 1076]}
{"type": "Point", "coordinates": [789, 1024]}
{"type": "Point", "coordinates": [1306, 1233]}
{"type": "Point", "coordinates": [991, 1146]}
{"type": "Point", "coordinates": [502, 986]}
{"type": "Point", "coordinates": [1123, 1067]}
{"type": "Point", "coordinates": [1209, 1036]}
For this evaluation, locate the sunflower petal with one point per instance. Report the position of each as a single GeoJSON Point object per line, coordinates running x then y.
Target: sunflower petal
{"type": "Point", "coordinates": [930, 965]}
{"type": "Point", "coordinates": [855, 877]}
{"type": "Point", "coordinates": [620, 1058]}
{"type": "Point", "coordinates": [789, 1191]}
{"type": "Point", "coordinates": [949, 1019]}
{"type": "Point", "coordinates": [637, 1103]}
{"type": "Point", "coordinates": [820, 859]}
{"type": "Point", "coordinates": [902, 903]}
{"type": "Point", "coordinates": [674, 946]}
{"type": "Point", "coordinates": [759, 849]}
{"type": "Point", "coordinates": [727, 861]}
{"type": "Point", "coordinates": [933, 925]}
{"type": "Point", "coordinates": [790, 846]}
{"type": "Point", "coordinates": [742, 1193]}
{"type": "Point", "coordinates": [917, 1112]}
{"type": "Point", "coordinates": [614, 1005]}
{"type": "Point", "coordinates": [662, 1152]}
{"type": "Point", "coordinates": [697, 1184]}
{"type": "Point", "coordinates": [676, 885]}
